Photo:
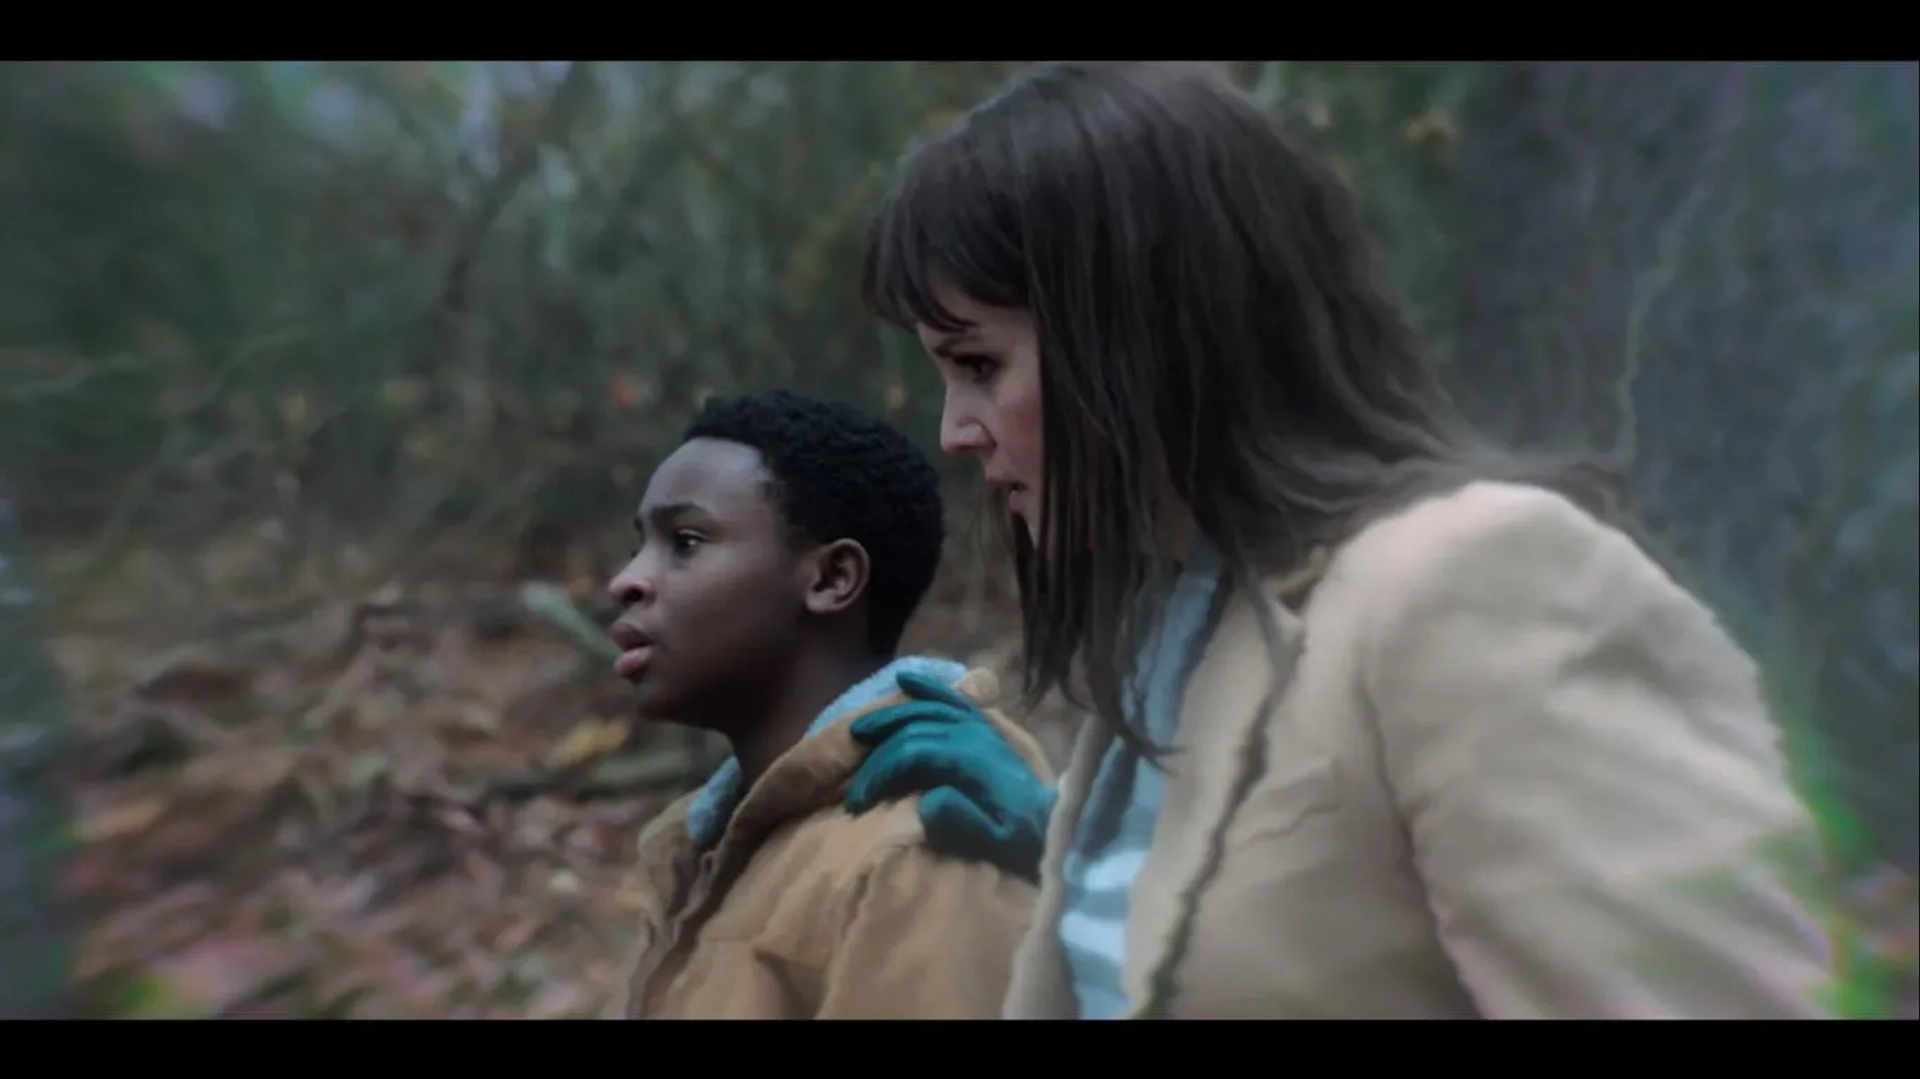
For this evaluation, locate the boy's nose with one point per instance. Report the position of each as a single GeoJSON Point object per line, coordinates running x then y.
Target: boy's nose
{"type": "Point", "coordinates": [629, 588]}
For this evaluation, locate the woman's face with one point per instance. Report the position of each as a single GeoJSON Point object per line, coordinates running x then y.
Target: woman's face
{"type": "Point", "coordinates": [992, 373]}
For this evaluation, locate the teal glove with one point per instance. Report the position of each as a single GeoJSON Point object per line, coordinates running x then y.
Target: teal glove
{"type": "Point", "coordinates": [979, 799]}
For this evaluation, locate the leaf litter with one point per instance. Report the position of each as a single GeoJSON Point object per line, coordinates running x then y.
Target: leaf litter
{"type": "Point", "coordinates": [412, 805]}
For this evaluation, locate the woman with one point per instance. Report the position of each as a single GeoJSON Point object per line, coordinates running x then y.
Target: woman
{"type": "Point", "coordinates": [1379, 724]}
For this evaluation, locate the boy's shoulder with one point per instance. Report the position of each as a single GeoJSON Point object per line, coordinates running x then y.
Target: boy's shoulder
{"type": "Point", "coordinates": [842, 851]}
{"type": "Point", "coordinates": [812, 783]}
{"type": "Point", "coordinates": [798, 847]}
{"type": "Point", "coordinates": [849, 847]}
{"type": "Point", "coordinates": [831, 868]}
{"type": "Point", "coordinates": [843, 848]}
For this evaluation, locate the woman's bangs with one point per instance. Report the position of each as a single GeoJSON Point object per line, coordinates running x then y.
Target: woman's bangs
{"type": "Point", "coordinates": [935, 232]}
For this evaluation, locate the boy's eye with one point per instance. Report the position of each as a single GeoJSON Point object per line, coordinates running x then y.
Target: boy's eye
{"type": "Point", "coordinates": [684, 541]}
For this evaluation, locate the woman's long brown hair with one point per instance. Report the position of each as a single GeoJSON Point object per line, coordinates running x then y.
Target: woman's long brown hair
{"type": "Point", "coordinates": [1215, 351]}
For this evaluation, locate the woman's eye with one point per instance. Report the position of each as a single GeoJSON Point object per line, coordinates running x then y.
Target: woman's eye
{"type": "Point", "coordinates": [976, 368]}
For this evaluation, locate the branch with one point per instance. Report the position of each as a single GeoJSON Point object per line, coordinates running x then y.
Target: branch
{"type": "Point", "coordinates": [563, 108]}
{"type": "Point", "coordinates": [1654, 281]}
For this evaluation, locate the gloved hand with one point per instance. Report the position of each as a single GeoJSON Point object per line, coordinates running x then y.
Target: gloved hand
{"type": "Point", "coordinates": [979, 799]}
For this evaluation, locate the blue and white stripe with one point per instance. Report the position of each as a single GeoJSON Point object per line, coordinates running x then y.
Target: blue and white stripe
{"type": "Point", "coordinates": [1099, 882]}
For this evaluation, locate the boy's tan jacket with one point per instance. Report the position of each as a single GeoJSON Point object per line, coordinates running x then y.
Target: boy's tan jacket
{"type": "Point", "coordinates": [803, 911]}
{"type": "Point", "coordinates": [1498, 765]}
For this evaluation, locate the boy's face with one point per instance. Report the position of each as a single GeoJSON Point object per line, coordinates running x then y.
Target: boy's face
{"type": "Point", "coordinates": [713, 599]}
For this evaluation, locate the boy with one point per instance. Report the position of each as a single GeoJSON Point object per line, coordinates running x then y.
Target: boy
{"type": "Point", "coordinates": [783, 547]}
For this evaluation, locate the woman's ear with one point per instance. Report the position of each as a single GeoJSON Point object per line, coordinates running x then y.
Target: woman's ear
{"type": "Point", "coordinates": [837, 576]}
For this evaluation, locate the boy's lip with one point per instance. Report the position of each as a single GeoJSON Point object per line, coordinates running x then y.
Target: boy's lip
{"type": "Point", "coordinates": [633, 661]}
{"type": "Point", "coordinates": [629, 636]}
{"type": "Point", "coordinates": [636, 648]}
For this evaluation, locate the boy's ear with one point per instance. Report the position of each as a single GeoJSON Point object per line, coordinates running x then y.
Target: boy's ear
{"type": "Point", "coordinates": [837, 575]}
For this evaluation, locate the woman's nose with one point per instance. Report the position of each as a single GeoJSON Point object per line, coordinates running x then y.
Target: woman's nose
{"type": "Point", "coordinates": [962, 434]}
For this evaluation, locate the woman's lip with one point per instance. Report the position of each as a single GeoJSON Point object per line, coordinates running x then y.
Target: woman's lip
{"type": "Point", "coordinates": [633, 661]}
{"type": "Point", "coordinates": [1017, 499]}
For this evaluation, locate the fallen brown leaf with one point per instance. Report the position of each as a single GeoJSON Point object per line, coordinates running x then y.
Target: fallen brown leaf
{"type": "Point", "coordinates": [123, 820]}
{"type": "Point", "coordinates": [309, 857]}
{"type": "Point", "coordinates": [218, 975]}
{"type": "Point", "coordinates": [588, 740]}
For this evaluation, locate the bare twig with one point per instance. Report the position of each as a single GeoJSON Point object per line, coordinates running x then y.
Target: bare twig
{"type": "Point", "coordinates": [556, 607]}
{"type": "Point", "coordinates": [141, 489]}
{"type": "Point", "coordinates": [1653, 282]}
{"type": "Point", "coordinates": [20, 389]}
{"type": "Point", "coordinates": [562, 109]}
{"type": "Point", "coordinates": [614, 776]}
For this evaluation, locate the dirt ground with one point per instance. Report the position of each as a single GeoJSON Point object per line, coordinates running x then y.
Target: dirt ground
{"type": "Point", "coordinates": [417, 803]}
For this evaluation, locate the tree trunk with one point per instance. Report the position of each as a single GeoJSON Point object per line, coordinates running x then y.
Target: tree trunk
{"type": "Point", "coordinates": [34, 938]}
{"type": "Point", "coordinates": [1708, 270]}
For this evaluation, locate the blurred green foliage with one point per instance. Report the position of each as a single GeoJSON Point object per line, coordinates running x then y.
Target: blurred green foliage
{"type": "Point", "coordinates": [435, 294]}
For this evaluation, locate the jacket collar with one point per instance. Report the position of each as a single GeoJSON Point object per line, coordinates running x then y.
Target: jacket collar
{"type": "Point", "coordinates": [800, 777]}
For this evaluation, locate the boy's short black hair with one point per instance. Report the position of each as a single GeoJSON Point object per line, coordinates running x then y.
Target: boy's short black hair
{"type": "Point", "coordinates": [840, 473]}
